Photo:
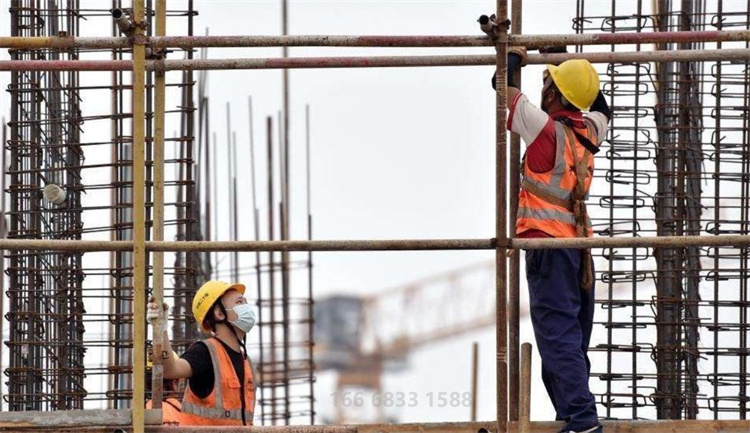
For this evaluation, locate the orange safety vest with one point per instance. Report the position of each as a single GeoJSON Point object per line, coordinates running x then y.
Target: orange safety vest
{"type": "Point", "coordinates": [170, 411]}
{"type": "Point", "coordinates": [223, 407]}
{"type": "Point", "coordinates": [552, 201]}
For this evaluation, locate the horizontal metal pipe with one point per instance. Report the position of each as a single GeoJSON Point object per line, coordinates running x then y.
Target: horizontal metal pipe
{"type": "Point", "coordinates": [529, 41]}
{"type": "Point", "coordinates": [373, 62]}
{"type": "Point", "coordinates": [638, 426]}
{"type": "Point", "coordinates": [347, 245]}
{"type": "Point", "coordinates": [634, 242]}
{"type": "Point", "coordinates": [380, 245]}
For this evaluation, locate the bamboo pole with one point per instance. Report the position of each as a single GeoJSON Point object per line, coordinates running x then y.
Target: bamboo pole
{"type": "Point", "coordinates": [139, 232]}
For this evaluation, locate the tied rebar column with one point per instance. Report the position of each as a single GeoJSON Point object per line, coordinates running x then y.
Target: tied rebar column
{"type": "Point", "coordinates": [46, 368]}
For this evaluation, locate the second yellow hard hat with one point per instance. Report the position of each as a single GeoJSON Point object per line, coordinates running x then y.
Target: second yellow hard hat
{"type": "Point", "coordinates": [577, 80]}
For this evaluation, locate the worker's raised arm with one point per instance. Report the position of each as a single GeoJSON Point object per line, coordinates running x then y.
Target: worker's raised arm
{"type": "Point", "coordinates": [173, 368]}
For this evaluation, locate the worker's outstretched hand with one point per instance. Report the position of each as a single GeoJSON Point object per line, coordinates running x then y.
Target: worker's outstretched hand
{"type": "Point", "coordinates": [520, 52]}
{"type": "Point", "coordinates": [155, 312]}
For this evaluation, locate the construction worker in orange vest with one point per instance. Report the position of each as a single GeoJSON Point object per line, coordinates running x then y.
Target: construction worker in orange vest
{"type": "Point", "coordinates": [170, 406]}
{"type": "Point", "coordinates": [562, 136]}
{"type": "Point", "coordinates": [221, 380]}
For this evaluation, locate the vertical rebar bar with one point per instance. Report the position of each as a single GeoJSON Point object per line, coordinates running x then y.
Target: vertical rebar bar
{"type": "Point", "coordinates": [271, 366]}
{"type": "Point", "coordinates": [310, 302]}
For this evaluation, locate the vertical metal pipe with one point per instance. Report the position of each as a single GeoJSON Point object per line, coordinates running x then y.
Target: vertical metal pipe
{"type": "Point", "coordinates": [501, 226]}
{"type": "Point", "coordinates": [215, 194]}
{"type": "Point", "coordinates": [139, 232]}
{"type": "Point", "coordinates": [209, 191]}
{"type": "Point", "coordinates": [474, 377]}
{"type": "Point", "coordinates": [285, 211]}
{"type": "Point", "coordinates": [514, 303]}
{"type": "Point", "coordinates": [525, 397]}
{"type": "Point", "coordinates": [158, 282]}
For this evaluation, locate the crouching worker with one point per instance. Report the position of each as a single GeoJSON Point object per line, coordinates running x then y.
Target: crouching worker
{"type": "Point", "coordinates": [221, 383]}
{"type": "Point", "coordinates": [170, 406]}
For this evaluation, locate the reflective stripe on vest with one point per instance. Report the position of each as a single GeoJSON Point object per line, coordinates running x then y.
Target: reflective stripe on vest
{"type": "Point", "coordinates": [548, 215]}
{"type": "Point", "coordinates": [215, 412]}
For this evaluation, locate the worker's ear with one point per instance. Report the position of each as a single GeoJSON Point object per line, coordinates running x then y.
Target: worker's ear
{"type": "Point", "coordinates": [218, 315]}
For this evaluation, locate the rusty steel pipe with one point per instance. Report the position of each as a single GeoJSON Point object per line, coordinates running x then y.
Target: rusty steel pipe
{"type": "Point", "coordinates": [524, 421]}
{"type": "Point", "coordinates": [501, 217]}
{"type": "Point", "coordinates": [736, 241]}
{"type": "Point", "coordinates": [372, 62]}
{"type": "Point", "coordinates": [633, 242]}
{"type": "Point", "coordinates": [514, 303]}
{"type": "Point", "coordinates": [418, 41]}
{"type": "Point", "coordinates": [183, 246]}
{"type": "Point", "coordinates": [123, 23]}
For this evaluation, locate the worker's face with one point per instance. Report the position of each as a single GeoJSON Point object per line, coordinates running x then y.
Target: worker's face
{"type": "Point", "coordinates": [230, 300]}
{"type": "Point", "coordinates": [548, 92]}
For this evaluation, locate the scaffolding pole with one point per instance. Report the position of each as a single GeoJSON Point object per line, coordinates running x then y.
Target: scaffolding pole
{"type": "Point", "coordinates": [739, 54]}
{"type": "Point", "coordinates": [514, 299]}
{"type": "Point", "coordinates": [501, 221]}
{"type": "Point", "coordinates": [157, 373]}
{"type": "Point", "coordinates": [139, 226]}
{"type": "Point", "coordinates": [736, 241]}
{"type": "Point", "coordinates": [417, 41]}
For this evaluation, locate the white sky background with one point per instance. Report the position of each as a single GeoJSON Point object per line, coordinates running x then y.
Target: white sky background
{"type": "Point", "coordinates": [397, 153]}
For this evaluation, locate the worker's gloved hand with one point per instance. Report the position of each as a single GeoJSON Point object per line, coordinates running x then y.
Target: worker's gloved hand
{"type": "Point", "coordinates": [520, 53]}
{"type": "Point", "coordinates": [516, 59]}
{"type": "Point", "coordinates": [154, 312]}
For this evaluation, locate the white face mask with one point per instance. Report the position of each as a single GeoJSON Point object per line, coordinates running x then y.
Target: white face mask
{"type": "Point", "coordinates": [245, 317]}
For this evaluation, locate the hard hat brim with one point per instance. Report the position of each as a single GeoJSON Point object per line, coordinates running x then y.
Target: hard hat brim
{"type": "Point", "coordinates": [236, 286]}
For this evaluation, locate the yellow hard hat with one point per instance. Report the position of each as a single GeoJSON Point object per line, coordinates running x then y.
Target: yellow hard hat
{"type": "Point", "coordinates": [150, 360]}
{"type": "Point", "coordinates": [207, 295]}
{"type": "Point", "coordinates": [577, 80]}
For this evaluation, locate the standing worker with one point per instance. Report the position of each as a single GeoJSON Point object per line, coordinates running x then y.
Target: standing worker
{"type": "Point", "coordinates": [558, 168]}
{"type": "Point", "coordinates": [221, 382]}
